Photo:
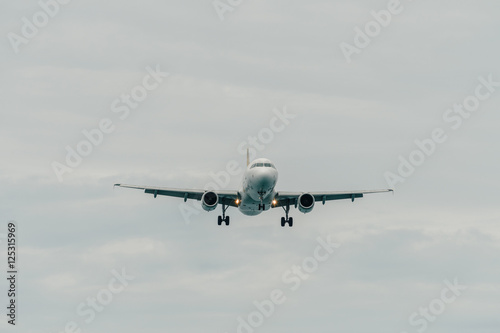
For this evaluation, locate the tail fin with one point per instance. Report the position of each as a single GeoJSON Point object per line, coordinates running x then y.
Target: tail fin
{"type": "Point", "coordinates": [248, 156]}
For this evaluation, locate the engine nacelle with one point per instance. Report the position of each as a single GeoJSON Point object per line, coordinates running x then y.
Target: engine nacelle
{"type": "Point", "coordinates": [306, 203]}
{"type": "Point", "coordinates": [209, 201]}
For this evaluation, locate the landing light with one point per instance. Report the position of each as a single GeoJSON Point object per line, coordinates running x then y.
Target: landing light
{"type": "Point", "coordinates": [275, 202]}
{"type": "Point", "coordinates": [237, 202]}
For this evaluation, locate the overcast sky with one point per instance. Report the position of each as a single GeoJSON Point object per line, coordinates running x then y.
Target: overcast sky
{"type": "Point", "coordinates": [351, 105]}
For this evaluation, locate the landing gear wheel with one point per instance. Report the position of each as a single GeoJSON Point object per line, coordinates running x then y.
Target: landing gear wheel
{"type": "Point", "coordinates": [227, 220]}
{"type": "Point", "coordinates": [290, 221]}
{"type": "Point", "coordinates": [219, 220]}
{"type": "Point", "coordinates": [283, 222]}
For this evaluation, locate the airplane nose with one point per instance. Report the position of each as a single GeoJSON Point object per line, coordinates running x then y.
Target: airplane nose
{"type": "Point", "coordinates": [267, 180]}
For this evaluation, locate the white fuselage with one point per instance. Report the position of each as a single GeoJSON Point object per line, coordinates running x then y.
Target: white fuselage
{"type": "Point", "coordinates": [259, 181]}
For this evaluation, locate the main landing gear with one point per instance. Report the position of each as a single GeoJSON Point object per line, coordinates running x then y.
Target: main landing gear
{"type": "Point", "coordinates": [285, 220]}
{"type": "Point", "coordinates": [223, 218]}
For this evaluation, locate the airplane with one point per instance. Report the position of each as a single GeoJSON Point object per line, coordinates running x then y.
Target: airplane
{"type": "Point", "coordinates": [257, 194]}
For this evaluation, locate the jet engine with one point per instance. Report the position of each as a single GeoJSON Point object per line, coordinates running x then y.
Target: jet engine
{"type": "Point", "coordinates": [306, 203]}
{"type": "Point", "coordinates": [209, 201]}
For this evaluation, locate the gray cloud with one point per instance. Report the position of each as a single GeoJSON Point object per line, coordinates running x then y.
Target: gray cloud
{"type": "Point", "coordinates": [353, 121]}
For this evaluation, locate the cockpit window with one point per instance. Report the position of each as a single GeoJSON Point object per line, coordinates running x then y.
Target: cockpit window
{"type": "Point", "coordinates": [266, 165]}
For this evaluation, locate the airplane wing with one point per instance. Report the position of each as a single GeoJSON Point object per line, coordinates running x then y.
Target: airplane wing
{"type": "Point", "coordinates": [291, 198]}
{"type": "Point", "coordinates": [225, 197]}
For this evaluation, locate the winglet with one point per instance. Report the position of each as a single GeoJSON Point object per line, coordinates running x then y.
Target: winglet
{"type": "Point", "coordinates": [248, 156]}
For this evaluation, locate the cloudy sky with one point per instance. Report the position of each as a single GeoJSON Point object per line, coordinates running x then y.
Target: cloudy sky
{"type": "Point", "coordinates": [356, 84]}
